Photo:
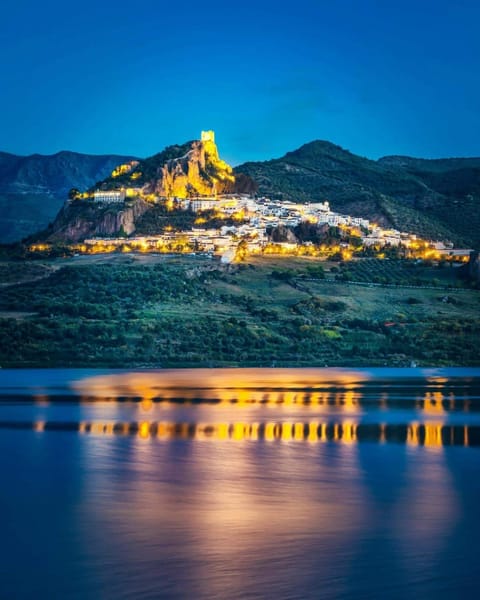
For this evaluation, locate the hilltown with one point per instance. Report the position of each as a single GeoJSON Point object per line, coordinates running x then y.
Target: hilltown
{"type": "Point", "coordinates": [251, 223]}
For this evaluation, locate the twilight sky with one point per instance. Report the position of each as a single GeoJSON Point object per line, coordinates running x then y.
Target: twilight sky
{"type": "Point", "coordinates": [374, 76]}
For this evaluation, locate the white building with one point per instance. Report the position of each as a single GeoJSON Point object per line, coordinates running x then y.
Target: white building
{"type": "Point", "coordinates": [359, 222]}
{"type": "Point", "coordinates": [334, 219]}
{"type": "Point", "coordinates": [199, 204]}
{"type": "Point", "coordinates": [109, 196]}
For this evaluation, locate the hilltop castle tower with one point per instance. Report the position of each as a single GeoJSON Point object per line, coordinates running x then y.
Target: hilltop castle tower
{"type": "Point", "coordinates": [208, 136]}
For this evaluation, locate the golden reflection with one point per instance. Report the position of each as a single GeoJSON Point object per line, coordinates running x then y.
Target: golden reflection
{"type": "Point", "coordinates": [348, 401]}
{"type": "Point", "coordinates": [326, 389]}
{"type": "Point", "coordinates": [286, 432]}
{"type": "Point", "coordinates": [383, 433]}
{"type": "Point", "coordinates": [144, 430]}
{"type": "Point", "coordinates": [298, 431]}
{"type": "Point", "coordinates": [323, 432]}
{"type": "Point", "coordinates": [239, 431]}
{"type": "Point", "coordinates": [254, 431]}
{"type": "Point", "coordinates": [244, 388]}
{"type": "Point", "coordinates": [222, 430]}
{"type": "Point", "coordinates": [349, 433]}
{"type": "Point", "coordinates": [430, 435]}
{"type": "Point", "coordinates": [313, 431]}
{"type": "Point", "coordinates": [433, 436]}
{"type": "Point", "coordinates": [433, 403]}
{"type": "Point", "coordinates": [109, 428]}
{"type": "Point", "coordinates": [269, 434]}
{"type": "Point", "coordinates": [146, 404]}
{"type": "Point", "coordinates": [437, 380]}
{"type": "Point", "coordinates": [162, 430]}
{"type": "Point", "coordinates": [242, 384]}
{"type": "Point", "coordinates": [428, 499]}
{"type": "Point", "coordinates": [412, 435]}
{"type": "Point", "coordinates": [336, 434]}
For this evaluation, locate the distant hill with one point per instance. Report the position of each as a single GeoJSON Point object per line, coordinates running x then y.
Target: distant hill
{"type": "Point", "coordinates": [434, 198]}
{"type": "Point", "coordinates": [33, 188]}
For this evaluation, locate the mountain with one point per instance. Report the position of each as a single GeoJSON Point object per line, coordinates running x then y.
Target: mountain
{"type": "Point", "coordinates": [193, 168]}
{"type": "Point", "coordinates": [434, 198]}
{"type": "Point", "coordinates": [180, 171]}
{"type": "Point", "coordinates": [33, 188]}
{"type": "Point", "coordinates": [437, 199]}
{"type": "Point", "coordinates": [457, 183]}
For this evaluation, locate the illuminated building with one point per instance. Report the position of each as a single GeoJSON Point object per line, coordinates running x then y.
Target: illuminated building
{"type": "Point", "coordinates": [109, 196]}
{"type": "Point", "coordinates": [207, 136]}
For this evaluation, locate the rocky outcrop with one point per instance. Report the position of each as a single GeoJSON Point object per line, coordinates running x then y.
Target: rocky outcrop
{"type": "Point", "coordinates": [283, 234]}
{"type": "Point", "coordinates": [200, 172]}
{"type": "Point", "coordinates": [182, 171]}
{"type": "Point", "coordinates": [79, 220]}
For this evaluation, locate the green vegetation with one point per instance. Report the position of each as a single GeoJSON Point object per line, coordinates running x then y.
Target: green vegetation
{"type": "Point", "coordinates": [158, 218]}
{"type": "Point", "coordinates": [126, 311]}
{"type": "Point", "coordinates": [436, 199]}
{"type": "Point", "coordinates": [14, 272]}
{"type": "Point", "coordinates": [400, 272]}
{"type": "Point", "coordinates": [428, 226]}
{"type": "Point", "coordinates": [147, 168]}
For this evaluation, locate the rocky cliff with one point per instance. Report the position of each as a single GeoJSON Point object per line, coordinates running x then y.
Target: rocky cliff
{"type": "Point", "coordinates": [187, 170]}
{"type": "Point", "coordinates": [199, 172]}
{"type": "Point", "coordinates": [79, 220]}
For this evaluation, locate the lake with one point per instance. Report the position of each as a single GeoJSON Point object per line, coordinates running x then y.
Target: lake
{"type": "Point", "coordinates": [240, 483]}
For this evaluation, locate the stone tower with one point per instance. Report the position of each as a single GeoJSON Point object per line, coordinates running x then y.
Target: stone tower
{"type": "Point", "coordinates": [208, 136]}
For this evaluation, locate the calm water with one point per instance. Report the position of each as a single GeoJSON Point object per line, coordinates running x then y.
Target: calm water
{"type": "Point", "coordinates": [244, 483]}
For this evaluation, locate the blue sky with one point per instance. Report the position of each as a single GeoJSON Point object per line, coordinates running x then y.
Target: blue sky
{"type": "Point", "coordinates": [130, 78]}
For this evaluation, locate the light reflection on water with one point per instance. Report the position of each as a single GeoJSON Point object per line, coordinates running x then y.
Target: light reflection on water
{"type": "Point", "coordinates": [430, 435]}
{"type": "Point", "coordinates": [343, 492]}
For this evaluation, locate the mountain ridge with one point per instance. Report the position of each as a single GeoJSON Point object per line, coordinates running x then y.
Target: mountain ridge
{"type": "Point", "coordinates": [431, 197]}
{"type": "Point", "coordinates": [436, 198]}
{"type": "Point", "coordinates": [33, 188]}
